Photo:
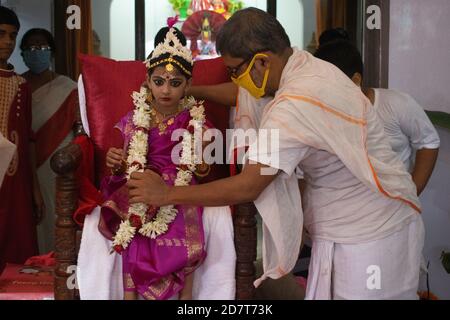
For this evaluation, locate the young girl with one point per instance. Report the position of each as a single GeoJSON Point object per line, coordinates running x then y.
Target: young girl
{"type": "Point", "coordinates": [161, 247]}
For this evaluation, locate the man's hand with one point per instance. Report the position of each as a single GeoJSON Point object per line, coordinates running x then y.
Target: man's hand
{"type": "Point", "coordinates": [148, 188]}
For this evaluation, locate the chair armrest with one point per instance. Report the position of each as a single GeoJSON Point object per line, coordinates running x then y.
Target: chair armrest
{"type": "Point", "coordinates": [245, 241]}
{"type": "Point", "coordinates": [66, 160]}
{"type": "Point", "coordinates": [64, 163]}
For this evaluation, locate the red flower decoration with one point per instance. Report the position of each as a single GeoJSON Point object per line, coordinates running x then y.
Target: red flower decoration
{"type": "Point", "coordinates": [191, 129]}
{"type": "Point", "coordinates": [139, 165]}
{"type": "Point", "coordinates": [171, 21]}
{"type": "Point", "coordinates": [184, 167]}
{"type": "Point", "coordinates": [142, 129]}
{"type": "Point", "coordinates": [151, 212]}
{"type": "Point", "coordinates": [119, 249]}
{"type": "Point", "coordinates": [135, 221]}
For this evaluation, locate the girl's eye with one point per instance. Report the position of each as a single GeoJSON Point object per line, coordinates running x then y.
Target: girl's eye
{"type": "Point", "coordinates": [175, 84]}
{"type": "Point", "coordinates": [158, 82]}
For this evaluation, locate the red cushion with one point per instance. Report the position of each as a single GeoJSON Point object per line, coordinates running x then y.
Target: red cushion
{"type": "Point", "coordinates": [210, 72]}
{"type": "Point", "coordinates": [108, 86]}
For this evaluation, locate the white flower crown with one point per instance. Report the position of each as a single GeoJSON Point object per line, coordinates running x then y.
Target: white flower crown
{"type": "Point", "coordinates": [177, 49]}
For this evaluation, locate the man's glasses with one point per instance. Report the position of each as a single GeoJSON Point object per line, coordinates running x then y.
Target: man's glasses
{"type": "Point", "coordinates": [234, 71]}
{"type": "Point", "coordinates": [39, 48]}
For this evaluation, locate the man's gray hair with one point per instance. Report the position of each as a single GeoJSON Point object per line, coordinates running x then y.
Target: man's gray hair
{"type": "Point", "coordinates": [250, 31]}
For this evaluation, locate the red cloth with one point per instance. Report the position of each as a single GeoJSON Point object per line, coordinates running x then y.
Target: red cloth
{"type": "Point", "coordinates": [17, 284]}
{"type": "Point", "coordinates": [46, 260]}
{"type": "Point", "coordinates": [212, 72]}
{"type": "Point", "coordinates": [56, 129]}
{"type": "Point", "coordinates": [89, 196]}
{"type": "Point", "coordinates": [18, 239]}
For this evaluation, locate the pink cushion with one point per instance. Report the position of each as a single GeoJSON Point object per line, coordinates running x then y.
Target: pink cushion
{"type": "Point", "coordinates": [108, 86]}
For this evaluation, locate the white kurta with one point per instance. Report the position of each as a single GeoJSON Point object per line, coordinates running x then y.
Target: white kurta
{"type": "Point", "coordinates": [406, 124]}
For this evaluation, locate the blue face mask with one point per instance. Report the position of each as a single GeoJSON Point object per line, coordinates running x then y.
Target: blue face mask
{"type": "Point", "coordinates": [38, 60]}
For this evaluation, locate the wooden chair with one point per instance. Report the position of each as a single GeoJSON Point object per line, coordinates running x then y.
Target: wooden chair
{"type": "Point", "coordinates": [68, 235]}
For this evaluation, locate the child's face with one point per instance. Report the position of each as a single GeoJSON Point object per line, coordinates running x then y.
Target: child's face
{"type": "Point", "coordinates": [8, 35]}
{"type": "Point", "coordinates": [168, 88]}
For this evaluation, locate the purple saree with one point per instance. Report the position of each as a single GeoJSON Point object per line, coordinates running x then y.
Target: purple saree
{"type": "Point", "coordinates": [155, 268]}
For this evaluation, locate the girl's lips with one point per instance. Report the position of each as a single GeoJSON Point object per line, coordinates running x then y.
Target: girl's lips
{"type": "Point", "coordinates": [166, 99]}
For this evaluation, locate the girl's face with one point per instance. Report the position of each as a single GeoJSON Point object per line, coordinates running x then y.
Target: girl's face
{"type": "Point", "coordinates": [168, 88]}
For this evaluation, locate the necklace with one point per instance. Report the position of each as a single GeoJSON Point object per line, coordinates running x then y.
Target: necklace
{"type": "Point", "coordinates": [165, 121]}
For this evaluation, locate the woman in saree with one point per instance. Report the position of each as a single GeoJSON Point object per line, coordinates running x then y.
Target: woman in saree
{"type": "Point", "coordinates": [54, 100]}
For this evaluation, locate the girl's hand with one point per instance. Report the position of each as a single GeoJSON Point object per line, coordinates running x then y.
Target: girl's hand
{"type": "Point", "coordinates": [114, 158]}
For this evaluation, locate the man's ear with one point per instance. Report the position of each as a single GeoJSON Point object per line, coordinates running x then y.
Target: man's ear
{"type": "Point", "coordinates": [262, 62]}
{"type": "Point", "coordinates": [357, 79]}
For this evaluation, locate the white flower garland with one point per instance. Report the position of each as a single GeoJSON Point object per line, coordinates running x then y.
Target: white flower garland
{"type": "Point", "coordinates": [137, 160]}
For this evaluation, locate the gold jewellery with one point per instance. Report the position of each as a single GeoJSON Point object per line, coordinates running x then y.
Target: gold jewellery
{"type": "Point", "coordinates": [163, 123]}
{"type": "Point", "coordinates": [169, 66]}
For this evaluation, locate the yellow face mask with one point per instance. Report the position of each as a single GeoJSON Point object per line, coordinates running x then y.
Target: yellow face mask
{"type": "Point", "coordinates": [245, 80]}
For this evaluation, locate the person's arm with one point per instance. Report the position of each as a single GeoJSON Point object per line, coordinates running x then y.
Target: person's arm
{"type": "Point", "coordinates": [423, 168]}
{"type": "Point", "coordinates": [224, 93]}
{"type": "Point", "coordinates": [422, 136]}
{"type": "Point", "coordinates": [149, 188]}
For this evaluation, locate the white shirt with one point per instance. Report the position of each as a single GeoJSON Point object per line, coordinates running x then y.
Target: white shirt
{"type": "Point", "coordinates": [406, 124]}
{"type": "Point", "coordinates": [337, 206]}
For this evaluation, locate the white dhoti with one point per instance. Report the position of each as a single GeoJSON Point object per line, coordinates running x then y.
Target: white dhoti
{"type": "Point", "coordinates": [99, 273]}
{"type": "Point", "coordinates": [385, 269]}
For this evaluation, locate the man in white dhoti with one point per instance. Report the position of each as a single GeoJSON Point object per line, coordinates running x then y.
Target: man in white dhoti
{"type": "Point", "coordinates": [361, 207]}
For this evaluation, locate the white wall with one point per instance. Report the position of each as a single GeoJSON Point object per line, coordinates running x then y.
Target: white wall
{"type": "Point", "coordinates": [32, 14]}
{"type": "Point", "coordinates": [419, 65]}
{"type": "Point", "coordinates": [101, 22]}
{"type": "Point", "coordinates": [420, 51]}
{"type": "Point", "coordinates": [436, 216]}
{"type": "Point", "coordinates": [309, 21]}
{"type": "Point", "coordinates": [122, 30]}
{"type": "Point", "coordinates": [291, 16]}
{"type": "Point", "coordinates": [156, 13]}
